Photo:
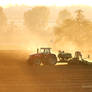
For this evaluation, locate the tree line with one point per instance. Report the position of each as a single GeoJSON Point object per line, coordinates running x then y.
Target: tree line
{"type": "Point", "coordinates": [77, 29]}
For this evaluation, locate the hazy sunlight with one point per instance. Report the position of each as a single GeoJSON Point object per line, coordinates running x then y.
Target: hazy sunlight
{"type": "Point", "coordinates": [7, 3]}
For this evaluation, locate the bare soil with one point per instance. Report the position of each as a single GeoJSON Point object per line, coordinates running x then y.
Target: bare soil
{"type": "Point", "coordinates": [17, 76]}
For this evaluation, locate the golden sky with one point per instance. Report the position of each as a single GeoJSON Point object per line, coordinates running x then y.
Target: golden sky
{"type": "Point", "coordinates": [6, 3]}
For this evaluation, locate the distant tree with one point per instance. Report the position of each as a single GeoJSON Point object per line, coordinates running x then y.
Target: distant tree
{"type": "Point", "coordinates": [63, 15]}
{"type": "Point", "coordinates": [78, 30]}
{"type": "Point", "coordinates": [37, 18]}
{"type": "Point", "coordinates": [3, 19]}
{"type": "Point", "coordinates": [79, 16]}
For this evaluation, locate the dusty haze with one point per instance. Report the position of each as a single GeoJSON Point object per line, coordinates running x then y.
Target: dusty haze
{"type": "Point", "coordinates": [16, 35]}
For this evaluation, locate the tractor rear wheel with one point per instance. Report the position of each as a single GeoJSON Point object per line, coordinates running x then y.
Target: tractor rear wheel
{"type": "Point", "coordinates": [37, 62]}
{"type": "Point", "coordinates": [51, 60]}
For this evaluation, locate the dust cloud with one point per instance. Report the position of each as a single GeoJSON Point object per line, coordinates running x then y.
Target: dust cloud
{"type": "Point", "coordinates": [64, 28]}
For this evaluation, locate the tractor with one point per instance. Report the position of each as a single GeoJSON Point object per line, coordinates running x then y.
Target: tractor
{"type": "Point", "coordinates": [43, 56]}
{"type": "Point", "coordinates": [78, 60]}
{"type": "Point", "coordinates": [64, 57]}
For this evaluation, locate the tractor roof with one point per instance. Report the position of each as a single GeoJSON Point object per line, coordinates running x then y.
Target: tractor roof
{"type": "Point", "coordinates": [45, 48]}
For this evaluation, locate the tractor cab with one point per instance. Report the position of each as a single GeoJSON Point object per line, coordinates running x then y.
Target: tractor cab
{"type": "Point", "coordinates": [44, 50]}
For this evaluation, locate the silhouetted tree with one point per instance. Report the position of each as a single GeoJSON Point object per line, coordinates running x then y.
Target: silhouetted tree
{"type": "Point", "coordinates": [37, 18]}
{"type": "Point", "coordinates": [78, 30]}
{"type": "Point", "coordinates": [63, 15]}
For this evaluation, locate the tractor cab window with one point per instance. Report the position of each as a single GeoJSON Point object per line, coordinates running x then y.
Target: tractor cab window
{"type": "Point", "coordinates": [45, 50]}
{"type": "Point", "coordinates": [42, 50]}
